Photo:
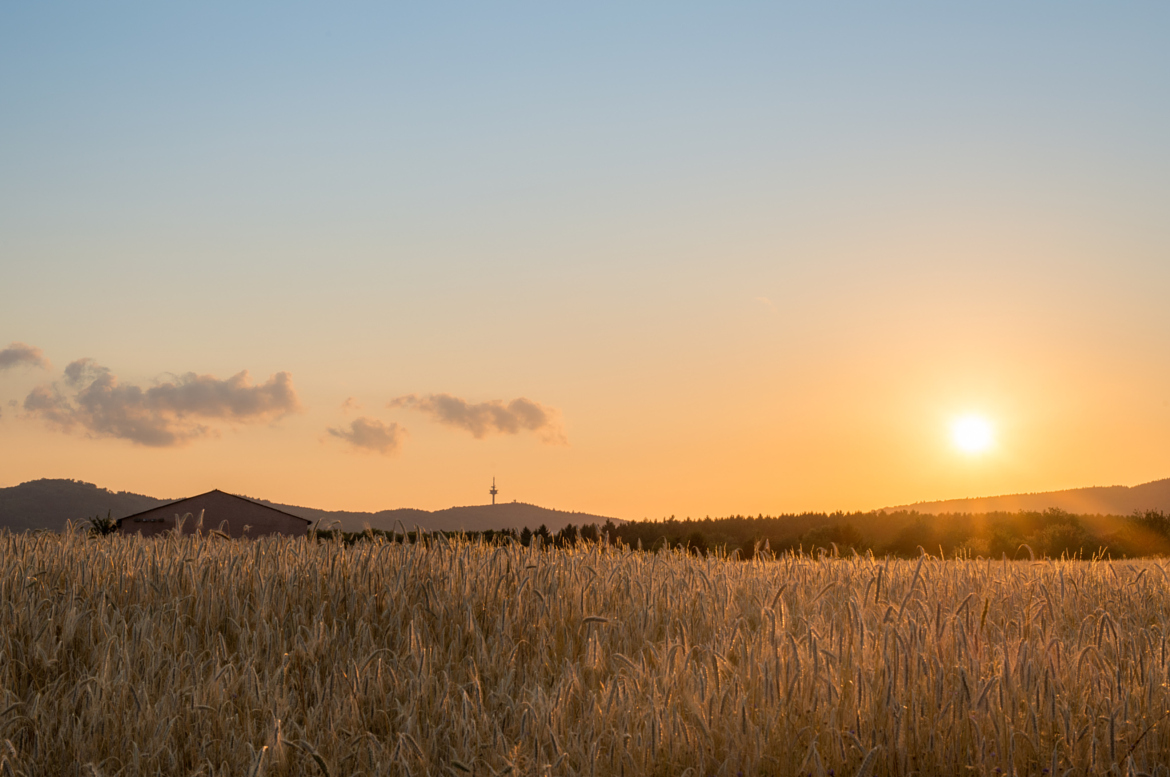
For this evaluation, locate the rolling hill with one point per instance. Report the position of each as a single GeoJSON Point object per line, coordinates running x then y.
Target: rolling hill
{"type": "Point", "coordinates": [48, 504]}
{"type": "Point", "coordinates": [509, 515]}
{"type": "Point", "coordinates": [1097, 500]}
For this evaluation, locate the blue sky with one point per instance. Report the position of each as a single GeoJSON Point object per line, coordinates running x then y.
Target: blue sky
{"type": "Point", "coordinates": [683, 227]}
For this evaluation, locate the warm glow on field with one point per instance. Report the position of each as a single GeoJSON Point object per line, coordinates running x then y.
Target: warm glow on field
{"type": "Point", "coordinates": [972, 434]}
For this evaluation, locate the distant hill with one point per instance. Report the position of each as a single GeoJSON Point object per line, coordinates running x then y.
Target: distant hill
{"type": "Point", "coordinates": [1102, 500]}
{"type": "Point", "coordinates": [48, 504]}
{"type": "Point", "coordinates": [509, 515]}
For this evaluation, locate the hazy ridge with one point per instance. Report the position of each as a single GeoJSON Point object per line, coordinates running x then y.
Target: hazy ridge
{"type": "Point", "coordinates": [508, 515]}
{"type": "Point", "coordinates": [50, 503]}
{"type": "Point", "coordinates": [1095, 500]}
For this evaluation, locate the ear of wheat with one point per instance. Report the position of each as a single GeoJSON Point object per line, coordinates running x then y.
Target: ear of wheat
{"type": "Point", "coordinates": [198, 655]}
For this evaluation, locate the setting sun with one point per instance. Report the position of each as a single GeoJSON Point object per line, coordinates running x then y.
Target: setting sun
{"type": "Point", "coordinates": [971, 434]}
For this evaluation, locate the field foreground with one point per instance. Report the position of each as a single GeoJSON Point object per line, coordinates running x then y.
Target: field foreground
{"type": "Point", "coordinates": [204, 656]}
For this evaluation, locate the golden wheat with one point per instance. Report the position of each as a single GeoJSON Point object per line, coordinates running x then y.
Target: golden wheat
{"type": "Point", "coordinates": [279, 656]}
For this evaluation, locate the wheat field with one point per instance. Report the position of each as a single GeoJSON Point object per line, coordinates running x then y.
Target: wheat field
{"type": "Point", "coordinates": [187, 655]}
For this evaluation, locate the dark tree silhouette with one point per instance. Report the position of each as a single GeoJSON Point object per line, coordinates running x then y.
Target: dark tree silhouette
{"type": "Point", "coordinates": [100, 526]}
{"type": "Point", "coordinates": [566, 537]}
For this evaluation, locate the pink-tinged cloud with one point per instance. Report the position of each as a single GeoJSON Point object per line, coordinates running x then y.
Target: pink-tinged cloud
{"type": "Point", "coordinates": [166, 414]}
{"type": "Point", "coordinates": [370, 434]}
{"type": "Point", "coordinates": [484, 418]}
{"type": "Point", "coordinates": [21, 355]}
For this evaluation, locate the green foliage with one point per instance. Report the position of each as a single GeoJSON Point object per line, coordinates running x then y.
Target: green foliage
{"type": "Point", "coordinates": [1064, 540]}
{"type": "Point", "coordinates": [1052, 533]}
{"type": "Point", "coordinates": [566, 537]}
{"type": "Point", "coordinates": [1144, 534]}
{"type": "Point", "coordinates": [696, 542]}
{"type": "Point", "coordinates": [836, 538]}
{"type": "Point", "coordinates": [100, 526]}
{"type": "Point", "coordinates": [914, 539]}
{"type": "Point", "coordinates": [1152, 521]}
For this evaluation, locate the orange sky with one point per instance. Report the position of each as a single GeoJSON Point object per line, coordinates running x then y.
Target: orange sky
{"type": "Point", "coordinates": [731, 263]}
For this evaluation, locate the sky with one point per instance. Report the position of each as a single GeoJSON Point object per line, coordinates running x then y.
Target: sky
{"type": "Point", "coordinates": [637, 260]}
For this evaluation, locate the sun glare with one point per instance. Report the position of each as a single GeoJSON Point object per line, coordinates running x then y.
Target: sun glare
{"type": "Point", "coordinates": [971, 434]}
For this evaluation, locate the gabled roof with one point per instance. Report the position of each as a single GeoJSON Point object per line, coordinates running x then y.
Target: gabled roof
{"type": "Point", "coordinates": [208, 493]}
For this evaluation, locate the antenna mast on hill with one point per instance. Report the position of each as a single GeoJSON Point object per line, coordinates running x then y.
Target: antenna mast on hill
{"type": "Point", "coordinates": [493, 492]}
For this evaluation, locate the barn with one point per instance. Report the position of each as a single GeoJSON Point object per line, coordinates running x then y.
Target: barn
{"type": "Point", "coordinates": [231, 514]}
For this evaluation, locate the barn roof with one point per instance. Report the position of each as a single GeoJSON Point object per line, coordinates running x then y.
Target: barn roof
{"type": "Point", "coordinates": [208, 493]}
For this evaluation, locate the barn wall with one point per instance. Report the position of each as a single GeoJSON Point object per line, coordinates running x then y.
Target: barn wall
{"type": "Point", "coordinates": [218, 508]}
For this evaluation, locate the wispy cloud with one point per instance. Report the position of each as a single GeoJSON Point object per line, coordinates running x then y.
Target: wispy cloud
{"type": "Point", "coordinates": [484, 418]}
{"type": "Point", "coordinates": [19, 354]}
{"type": "Point", "coordinates": [371, 434]}
{"type": "Point", "coordinates": [166, 414]}
{"type": "Point", "coordinates": [350, 404]}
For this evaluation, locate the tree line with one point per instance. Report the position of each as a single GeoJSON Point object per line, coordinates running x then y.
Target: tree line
{"type": "Point", "coordinates": [1052, 533]}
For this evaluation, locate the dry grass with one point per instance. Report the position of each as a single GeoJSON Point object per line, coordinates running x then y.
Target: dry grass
{"type": "Point", "coordinates": [204, 656]}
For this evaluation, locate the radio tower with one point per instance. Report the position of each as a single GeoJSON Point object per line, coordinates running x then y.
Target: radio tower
{"type": "Point", "coordinates": [493, 492]}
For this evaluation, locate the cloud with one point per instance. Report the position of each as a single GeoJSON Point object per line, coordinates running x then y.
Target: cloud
{"type": "Point", "coordinates": [372, 435]}
{"type": "Point", "coordinates": [483, 418]}
{"type": "Point", "coordinates": [18, 354]}
{"type": "Point", "coordinates": [166, 414]}
{"type": "Point", "coordinates": [83, 370]}
{"type": "Point", "coordinates": [350, 404]}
